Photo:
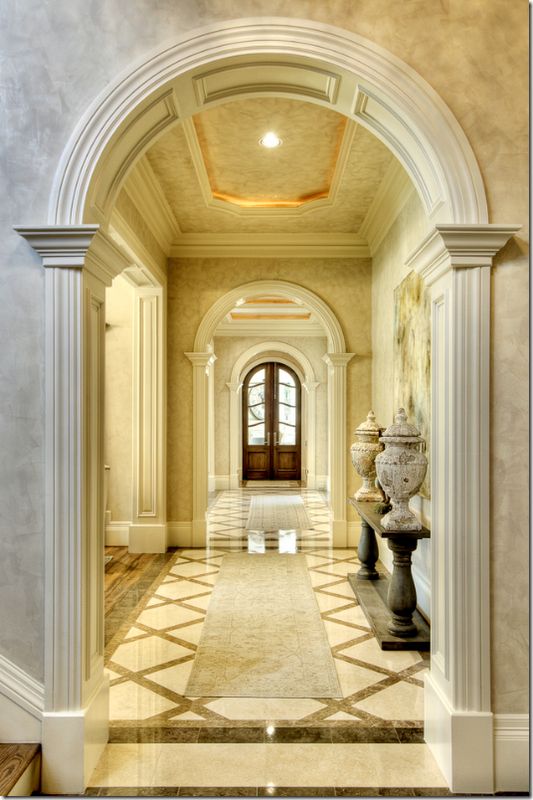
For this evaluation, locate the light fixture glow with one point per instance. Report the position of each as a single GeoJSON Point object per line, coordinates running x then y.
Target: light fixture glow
{"type": "Point", "coordinates": [270, 140]}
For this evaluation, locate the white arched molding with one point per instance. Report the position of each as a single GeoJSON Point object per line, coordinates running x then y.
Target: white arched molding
{"type": "Point", "coordinates": [329, 66]}
{"type": "Point", "coordinates": [79, 264]}
{"type": "Point", "coordinates": [245, 362]}
{"type": "Point", "coordinates": [455, 261]}
{"type": "Point", "coordinates": [203, 349]}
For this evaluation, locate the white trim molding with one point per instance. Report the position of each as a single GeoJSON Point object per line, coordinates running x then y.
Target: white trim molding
{"type": "Point", "coordinates": [511, 753]}
{"type": "Point", "coordinates": [455, 261]}
{"type": "Point", "coordinates": [79, 264]}
{"type": "Point", "coordinates": [117, 534]}
{"type": "Point", "coordinates": [391, 100]}
{"type": "Point", "coordinates": [180, 534]}
{"type": "Point", "coordinates": [21, 704]}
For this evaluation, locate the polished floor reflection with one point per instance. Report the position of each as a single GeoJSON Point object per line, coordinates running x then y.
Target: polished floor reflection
{"type": "Point", "coordinates": [161, 737]}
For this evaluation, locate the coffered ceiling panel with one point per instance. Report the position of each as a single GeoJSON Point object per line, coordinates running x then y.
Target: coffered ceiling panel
{"type": "Point", "coordinates": [218, 179]}
{"type": "Point", "coordinates": [245, 173]}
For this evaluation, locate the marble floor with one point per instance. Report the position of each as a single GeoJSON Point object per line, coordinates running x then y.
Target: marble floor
{"type": "Point", "coordinates": [366, 742]}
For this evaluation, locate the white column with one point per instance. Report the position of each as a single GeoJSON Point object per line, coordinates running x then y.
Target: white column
{"type": "Point", "coordinates": [455, 261]}
{"type": "Point", "coordinates": [148, 530]}
{"type": "Point", "coordinates": [337, 443]}
{"type": "Point", "coordinates": [75, 721]}
{"type": "Point", "coordinates": [201, 362]}
{"type": "Point", "coordinates": [235, 439]}
{"type": "Point", "coordinates": [309, 415]}
{"type": "Point", "coordinates": [211, 429]}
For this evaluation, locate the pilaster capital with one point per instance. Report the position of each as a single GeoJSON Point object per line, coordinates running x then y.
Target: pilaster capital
{"type": "Point", "coordinates": [310, 386]}
{"type": "Point", "coordinates": [334, 360]}
{"type": "Point", "coordinates": [77, 247]}
{"type": "Point", "coordinates": [234, 387]}
{"type": "Point", "coordinates": [201, 359]}
{"type": "Point", "coordinates": [449, 247]}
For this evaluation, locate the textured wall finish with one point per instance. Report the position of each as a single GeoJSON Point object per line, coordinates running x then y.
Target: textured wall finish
{"type": "Point", "coordinates": [58, 56]}
{"type": "Point", "coordinates": [195, 284]}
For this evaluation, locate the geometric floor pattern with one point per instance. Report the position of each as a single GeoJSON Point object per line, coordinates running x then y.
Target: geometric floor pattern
{"type": "Point", "coordinates": [151, 656]}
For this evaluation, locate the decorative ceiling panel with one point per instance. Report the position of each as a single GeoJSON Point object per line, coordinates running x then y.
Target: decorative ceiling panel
{"type": "Point", "coordinates": [363, 163]}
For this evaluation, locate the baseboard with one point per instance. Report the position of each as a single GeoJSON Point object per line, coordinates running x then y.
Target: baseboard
{"type": "Point", "coordinates": [460, 741]}
{"type": "Point", "coordinates": [73, 742]}
{"type": "Point", "coordinates": [117, 534]}
{"type": "Point", "coordinates": [179, 534]}
{"type": "Point", "coordinates": [148, 538]}
{"type": "Point", "coordinates": [21, 705]}
{"type": "Point", "coordinates": [511, 752]}
{"type": "Point", "coordinates": [353, 532]}
{"type": "Point", "coordinates": [211, 483]}
{"type": "Point", "coordinates": [222, 483]}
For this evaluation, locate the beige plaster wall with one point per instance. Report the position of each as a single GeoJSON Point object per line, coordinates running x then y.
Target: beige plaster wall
{"type": "Point", "coordinates": [195, 284]}
{"type": "Point", "coordinates": [57, 57]}
{"type": "Point", "coordinates": [227, 350]}
{"type": "Point", "coordinates": [118, 398]}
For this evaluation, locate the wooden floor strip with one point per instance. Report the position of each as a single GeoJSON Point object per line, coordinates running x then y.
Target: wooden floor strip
{"type": "Point", "coordinates": [14, 761]}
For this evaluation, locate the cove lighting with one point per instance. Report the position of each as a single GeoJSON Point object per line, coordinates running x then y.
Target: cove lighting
{"type": "Point", "coordinates": [270, 140]}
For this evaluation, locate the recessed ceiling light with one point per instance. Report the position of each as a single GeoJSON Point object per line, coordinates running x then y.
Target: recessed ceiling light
{"type": "Point", "coordinates": [270, 140]}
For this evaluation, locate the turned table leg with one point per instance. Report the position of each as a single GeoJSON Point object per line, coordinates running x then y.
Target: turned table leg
{"type": "Point", "coordinates": [401, 598]}
{"type": "Point", "coordinates": [367, 552]}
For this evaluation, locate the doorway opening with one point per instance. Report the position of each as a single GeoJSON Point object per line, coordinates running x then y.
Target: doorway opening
{"type": "Point", "coordinates": [271, 408]}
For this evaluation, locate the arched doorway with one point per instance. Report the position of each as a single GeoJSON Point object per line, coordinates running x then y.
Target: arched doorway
{"type": "Point", "coordinates": [271, 424]}
{"type": "Point", "coordinates": [455, 259]}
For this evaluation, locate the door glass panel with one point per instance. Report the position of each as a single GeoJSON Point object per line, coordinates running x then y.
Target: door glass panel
{"type": "Point", "coordinates": [286, 377]}
{"type": "Point", "coordinates": [287, 434]}
{"type": "Point", "coordinates": [259, 377]}
{"type": "Point", "coordinates": [256, 434]}
{"type": "Point", "coordinates": [287, 414]}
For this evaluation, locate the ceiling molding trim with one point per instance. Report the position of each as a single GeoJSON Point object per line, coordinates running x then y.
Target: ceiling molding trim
{"type": "Point", "coordinates": [270, 328]}
{"type": "Point", "coordinates": [342, 159]}
{"type": "Point", "coordinates": [147, 195]}
{"type": "Point", "coordinates": [250, 245]}
{"type": "Point", "coordinates": [393, 192]}
{"type": "Point", "coordinates": [286, 77]}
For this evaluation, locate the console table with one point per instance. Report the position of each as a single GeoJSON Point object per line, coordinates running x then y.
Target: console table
{"type": "Point", "coordinates": [389, 603]}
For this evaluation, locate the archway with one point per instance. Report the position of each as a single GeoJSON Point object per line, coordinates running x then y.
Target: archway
{"type": "Point", "coordinates": [337, 359]}
{"type": "Point", "coordinates": [277, 351]}
{"type": "Point", "coordinates": [455, 259]}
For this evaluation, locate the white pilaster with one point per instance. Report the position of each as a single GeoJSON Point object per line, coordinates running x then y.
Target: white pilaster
{"type": "Point", "coordinates": [309, 415]}
{"type": "Point", "coordinates": [80, 262]}
{"type": "Point", "coordinates": [337, 443]}
{"type": "Point", "coordinates": [235, 436]}
{"type": "Point", "coordinates": [201, 363]}
{"type": "Point", "coordinates": [455, 261]}
{"type": "Point", "coordinates": [148, 532]}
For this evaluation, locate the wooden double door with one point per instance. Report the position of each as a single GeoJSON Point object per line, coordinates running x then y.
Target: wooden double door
{"type": "Point", "coordinates": [271, 399]}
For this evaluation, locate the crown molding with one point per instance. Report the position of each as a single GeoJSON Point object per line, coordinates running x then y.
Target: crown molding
{"type": "Point", "coordinates": [60, 246]}
{"type": "Point", "coordinates": [458, 246]}
{"type": "Point", "coordinates": [393, 192]}
{"type": "Point", "coordinates": [145, 192]}
{"type": "Point", "coordinates": [273, 245]}
{"type": "Point", "coordinates": [270, 328]}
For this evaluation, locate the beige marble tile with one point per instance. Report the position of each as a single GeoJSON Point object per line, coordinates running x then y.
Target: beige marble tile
{"type": "Point", "coordinates": [314, 560]}
{"type": "Point", "coordinates": [189, 633]}
{"type": "Point", "coordinates": [371, 652]}
{"type": "Point", "coordinates": [201, 553]}
{"type": "Point", "coordinates": [199, 602]}
{"type": "Point", "coordinates": [342, 716]}
{"type": "Point", "coordinates": [210, 579]}
{"type": "Point", "coordinates": [175, 591]}
{"type": "Point", "coordinates": [327, 603]}
{"type": "Point", "coordinates": [173, 678]}
{"type": "Point", "coordinates": [192, 569]}
{"type": "Point", "coordinates": [340, 568]}
{"type": "Point", "coordinates": [135, 632]}
{"type": "Point", "coordinates": [318, 579]}
{"type": "Point", "coordinates": [144, 653]}
{"type": "Point", "coordinates": [189, 716]}
{"type": "Point", "coordinates": [400, 701]}
{"type": "Point", "coordinates": [126, 765]}
{"type": "Point", "coordinates": [130, 701]}
{"type": "Point", "coordinates": [353, 678]}
{"type": "Point", "coordinates": [355, 615]}
{"type": "Point", "coordinates": [211, 765]}
{"type": "Point", "coordinates": [112, 675]}
{"type": "Point", "coordinates": [240, 708]}
{"type": "Point", "coordinates": [166, 616]}
{"type": "Point", "coordinates": [337, 634]}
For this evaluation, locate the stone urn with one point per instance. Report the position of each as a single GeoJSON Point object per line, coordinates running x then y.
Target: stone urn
{"type": "Point", "coordinates": [364, 451]}
{"type": "Point", "coordinates": [401, 469]}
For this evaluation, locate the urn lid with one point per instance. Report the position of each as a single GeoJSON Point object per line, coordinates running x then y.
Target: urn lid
{"type": "Point", "coordinates": [401, 429]}
{"type": "Point", "coordinates": [369, 425]}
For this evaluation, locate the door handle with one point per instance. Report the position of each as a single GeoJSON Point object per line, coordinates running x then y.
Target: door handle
{"type": "Point", "coordinates": [268, 439]}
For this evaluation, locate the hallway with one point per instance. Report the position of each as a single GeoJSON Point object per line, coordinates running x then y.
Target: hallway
{"type": "Point", "coordinates": [162, 738]}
